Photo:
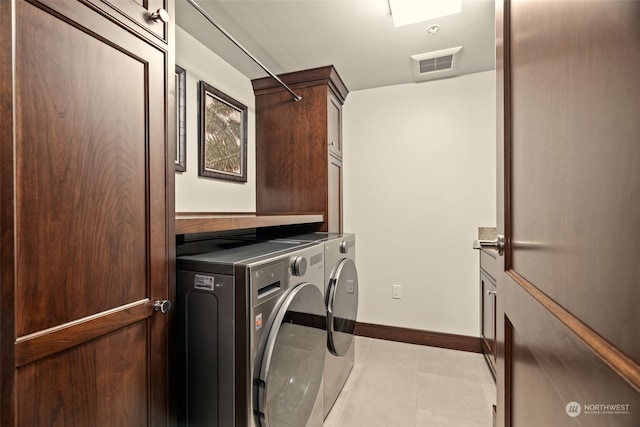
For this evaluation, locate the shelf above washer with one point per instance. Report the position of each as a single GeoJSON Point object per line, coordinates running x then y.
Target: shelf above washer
{"type": "Point", "coordinates": [203, 222]}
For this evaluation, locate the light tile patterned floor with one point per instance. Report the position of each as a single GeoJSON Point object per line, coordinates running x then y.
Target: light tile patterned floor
{"type": "Point", "coordinates": [403, 385]}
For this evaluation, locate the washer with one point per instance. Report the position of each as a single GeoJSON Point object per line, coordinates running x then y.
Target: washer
{"type": "Point", "coordinates": [252, 335]}
{"type": "Point", "coordinates": [341, 300]}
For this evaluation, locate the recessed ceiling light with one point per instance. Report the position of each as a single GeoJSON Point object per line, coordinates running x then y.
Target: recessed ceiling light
{"type": "Point", "coordinates": [407, 12]}
{"type": "Point", "coordinates": [433, 29]}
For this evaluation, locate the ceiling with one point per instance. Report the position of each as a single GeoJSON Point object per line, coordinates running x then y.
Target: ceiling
{"type": "Point", "coordinates": [356, 36]}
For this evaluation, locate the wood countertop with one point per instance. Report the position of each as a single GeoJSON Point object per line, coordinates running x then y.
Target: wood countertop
{"type": "Point", "coordinates": [203, 222]}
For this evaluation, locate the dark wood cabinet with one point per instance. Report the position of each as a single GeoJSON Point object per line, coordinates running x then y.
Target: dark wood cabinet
{"type": "Point", "coordinates": [299, 144]}
{"type": "Point", "coordinates": [86, 213]}
{"type": "Point", "coordinates": [488, 293]}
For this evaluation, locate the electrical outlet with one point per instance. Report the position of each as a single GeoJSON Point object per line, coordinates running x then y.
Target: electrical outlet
{"type": "Point", "coordinates": [396, 291]}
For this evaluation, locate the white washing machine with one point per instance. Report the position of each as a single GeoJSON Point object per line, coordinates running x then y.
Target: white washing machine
{"type": "Point", "coordinates": [252, 336]}
{"type": "Point", "coordinates": [341, 300]}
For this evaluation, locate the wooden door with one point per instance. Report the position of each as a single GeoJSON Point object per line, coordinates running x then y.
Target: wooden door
{"type": "Point", "coordinates": [569, 292]}
{"type": "Point", "coordinates": [85, 186]}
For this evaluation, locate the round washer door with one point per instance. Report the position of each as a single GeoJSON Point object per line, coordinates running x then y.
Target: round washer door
{"type": "Point", "coordinates": [342, 306]}
{"type": "Point", "coordinates": [292, 364]}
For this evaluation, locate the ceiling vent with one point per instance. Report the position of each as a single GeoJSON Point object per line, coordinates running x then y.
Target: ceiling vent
{"type": "Point", "coordinates": [431, 62]}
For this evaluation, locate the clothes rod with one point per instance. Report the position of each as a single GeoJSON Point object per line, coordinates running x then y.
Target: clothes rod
{"type": "Point", "coordinates": [208, 17]}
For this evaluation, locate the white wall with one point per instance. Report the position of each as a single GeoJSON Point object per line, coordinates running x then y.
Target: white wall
{"type": "Point", "coordinates": [419, 179]}
{"type": "Point", "coordinates": [200, 194]}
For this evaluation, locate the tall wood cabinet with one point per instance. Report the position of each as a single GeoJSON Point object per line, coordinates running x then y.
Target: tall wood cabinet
{"type": "Point", "coordinates": [86, 208]}
{"type": "Point", "coordinates": [299, 144]}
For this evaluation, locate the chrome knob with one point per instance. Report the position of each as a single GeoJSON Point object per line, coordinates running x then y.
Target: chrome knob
{"type": "Point", "coordinates": [492, 292]}
{"type": "Point", "coordinates": [344, 247]}
{"type": "Point", "coordinates": [332, 143]}
{"type": "Point", "coordinates": [160, 15]}
{"type": "Point", "coordinates": [299, 266]}
{"type": "Point", "coordinates": [162, 306]}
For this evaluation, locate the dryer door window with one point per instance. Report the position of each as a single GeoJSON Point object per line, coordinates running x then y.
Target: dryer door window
{"type": "Point", "coordinates": [342, 307]}
{"type": "Point", "coordinates": [293, 359]}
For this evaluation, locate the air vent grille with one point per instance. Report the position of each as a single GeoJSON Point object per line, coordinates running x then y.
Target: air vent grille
{"type": "Point", "coordinates": [430, 62]}
{"type": "Point", "coordinates": [436, 64]}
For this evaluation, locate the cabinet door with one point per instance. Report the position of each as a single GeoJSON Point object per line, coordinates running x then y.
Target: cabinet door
{"type": "Point", "coordinates": [83, 213]}
{"type": "Point", "coordinates": [334, 125]}
{"type": "Point", "coordinates": [488, 314]}
{"type": "Point", "coordinates": [335, 196]}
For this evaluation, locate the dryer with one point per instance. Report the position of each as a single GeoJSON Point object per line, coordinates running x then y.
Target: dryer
{"type": "Point", "coordinates": [341, 281]}
{"type": "Point", "coordinates": [252, 336]}
{"type": "Point", "coordinates": [341, 300]}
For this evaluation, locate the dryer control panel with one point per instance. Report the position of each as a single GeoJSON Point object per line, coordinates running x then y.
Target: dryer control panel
{"type": "Point", "coordinates": [267, 282]}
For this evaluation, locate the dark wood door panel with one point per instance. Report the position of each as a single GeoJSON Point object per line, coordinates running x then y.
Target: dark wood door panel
{"type": "Point", "coordinates": [334, 122]}
{"type": "Point", "coordinates": [36, 346]}
{"type": "Point", "coordinates": [568, 152]}
{"type": "Point", "coordinates": [82, 155]}
{"type": "Point", "coordinates": [86, 198]}
{"type": "Point", "coordinates": [576, 157]}
{"type": "Point", "coordinates": [333, 223]}
{"type": "Point", "coordinates": [100, 383]}
{"type": "Point", "coordinates": [549, 367]}
{"type": "Point", "coordinates": [488, 315]}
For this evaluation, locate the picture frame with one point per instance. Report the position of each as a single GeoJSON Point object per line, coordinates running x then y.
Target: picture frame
{"type": "Point", "coordinates": [181, 120]}
{"type": "Point", "coordinates": [222, 148]}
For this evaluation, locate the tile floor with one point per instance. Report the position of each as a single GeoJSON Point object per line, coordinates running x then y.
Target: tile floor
{"type": "Point", "coordinates": [404, 385]}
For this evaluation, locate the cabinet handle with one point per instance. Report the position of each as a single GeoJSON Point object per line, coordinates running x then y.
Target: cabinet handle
{"type": "Point", "coordinates": [492, 292]}
{"type": "Point", "coordinates": [160, 15]}
{"type": "Point", "coordinates": [331, 144]}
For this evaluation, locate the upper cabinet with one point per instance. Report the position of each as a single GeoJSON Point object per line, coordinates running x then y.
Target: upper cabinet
{"type": "Point", "coordinates": [299, 144]}
{"type": "Point", "coordinates": [334, 123]}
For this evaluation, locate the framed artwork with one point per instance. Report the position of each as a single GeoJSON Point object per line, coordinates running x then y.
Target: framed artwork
{"type": "Point", "coordinates": [223, 135]}
{"type": "Point", "coordinates": [181, 120]}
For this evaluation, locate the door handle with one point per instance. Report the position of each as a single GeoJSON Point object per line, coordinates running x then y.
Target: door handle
{"type": "Point", "coordinates": [498, 243]}
{"type": "Point", "coordinates": [162, 306]}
